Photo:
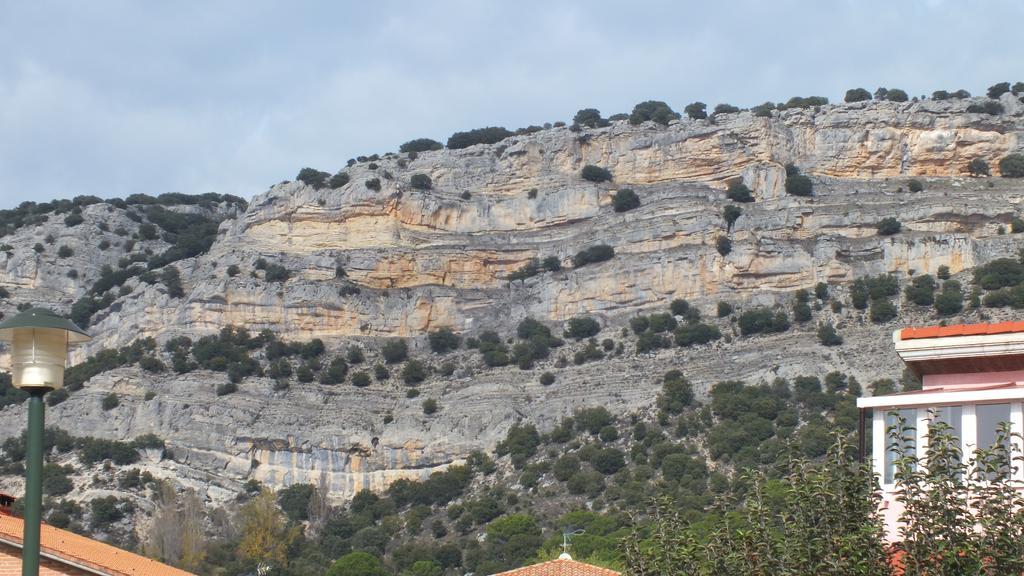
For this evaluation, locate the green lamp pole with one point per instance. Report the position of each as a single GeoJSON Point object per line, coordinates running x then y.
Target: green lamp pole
{"type": "Point", "coordinates": [39, 349]}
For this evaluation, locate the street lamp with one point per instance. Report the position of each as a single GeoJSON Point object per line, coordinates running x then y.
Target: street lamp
{"type": "Point", "coordinates": [39, 349]}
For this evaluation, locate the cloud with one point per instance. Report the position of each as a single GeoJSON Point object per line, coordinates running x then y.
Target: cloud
{"type": "Point", "coordinates": [115, 98]}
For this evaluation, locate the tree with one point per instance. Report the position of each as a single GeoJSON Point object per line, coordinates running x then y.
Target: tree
{"type": "Point", "coordinates": [294, 501]}
{"type": "Point", "coordinates": [625, 200]}
{"type": "Point", "coordinates": [723, 245]}
{"type": "Point", "coordinates": [339, 179]}
{"type": "Point", "coordinates": [395, 351]}
{"type": "Point", "coordinates": [582, 327]}
{"type": "Point", "coordinates": [430, 406]}
{"type": "Point", "coordinates": [799, 185]}
{"type": "Point", "coordinates": [589, 117]}
{"type": "Point", "coordinates": [489, 135]}
{"type": "Point", "coordinates": [915, 186]}
{"type": "Point", "coordinates": [828, 336]}
{"type": "Point", "coordinates": [421, 182]}
{"type": "Point", "coordinates": [443, 340]}
{"type": "Point", "coordinates": [1012, 166]}
{"type": "Point", "coordinates": [595, 173]}
{"type": "Point", "coordinates": [895, 95]}
{"type": "Point", "coordinates": [266, 535]}
{"type": "Point", "coordinates": [676, 393]}
{"type": "Point", "coordinates": [696, 110]}
{"type": "Point", "coordinates": [726, 109]}
{"type": "Point", "coordinates": [731, 214]}
{"type": "Point", "coordinates": [889, 226]}
{"type": "Point", "coordinates": [857, 95]}
{"type": "Point", "coordinates": [420, 145]}
{"type": "Point", "coordinates": [592, 255]}
{"type": "Point", "coordinates": [414, 372]}
{"type": "Point", "coordinates": [65, 252]}
{"type": "Point", "coordinates": [738, 192]}
{"type": "Point", "coordinates": [997, 90]}
{"type": "Point", "coordinates": [313, 177]}
{"type": "Point", "coordinates": [373, 184]}
{"type": "Point", "coordinates": [978, 167]}
{"type": "Point", "coordinates": [357, 564]}
{"type": "Point", "coordinates": [652, 110]}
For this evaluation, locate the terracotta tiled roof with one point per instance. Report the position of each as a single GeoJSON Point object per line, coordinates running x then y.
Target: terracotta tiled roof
{"type": "Point", "coordinates": [86, 552]}
{"type": "Point", "coordinates": [560, 567]}
{"type": "Point", "coordinates": [961, 330]}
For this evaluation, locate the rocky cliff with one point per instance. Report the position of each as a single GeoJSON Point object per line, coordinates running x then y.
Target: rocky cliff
{"type": "Point", "coordinates": [414, 260]}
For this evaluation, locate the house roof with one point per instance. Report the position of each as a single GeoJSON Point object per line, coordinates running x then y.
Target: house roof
{"type": "Point", "coordinates": [85, 552]}
{"type": "Point", "coordinates": [560, 567]}
{"type": "Point", "coordinates": [961, 330]}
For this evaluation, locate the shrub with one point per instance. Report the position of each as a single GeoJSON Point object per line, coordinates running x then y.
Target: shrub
{"type": "Point", "coordinates": [414, 372]}
{"type": "Point", "coordinates": [420, 145]}
{"type": "Point", "coordinates": [39, 248]}
{"type": "Point", "coordinates": [608, 461]}
{"type": "Point", "coordinates": [679, 307]}
{"type": "Point", "coordinates": [894, 95]}
{"type": "Point", "coordinates": [921, 290]}
{"type": "Point", "coordinates": [380, 372]}
{"type": "Point", "coordinates": [726, 109]}
{"type": "Point", "coordinates": [990, 107]}
{"type": "Point", "coordinates": [314, 178]}
{"type": "Point", "coordinates": [593, 254]}
{"type": "Point", "coordinates": [582, 327]}
{"type": "Point", "coordinates": [231, 387]}
{"type": "Point", "coordinates": [915, 186]}
{"type": "Point", "coordinates": [521, 440]}
{"type": "Point", "coordinates": [723, 245]}
{"type": "Point", "coordinates": [943, 272]}
{"type": "Point", "coordinates": [828, 336]}
{"type": "Point", "coordinates": [489, 135]}
{"type": "Point", "coordinates": [421, 182]}
{"type": "Point", "coordinates": [465, 195]}
{"type": "Point", "coordinates": [801, 312]}
{"type": "Point", "coordinates": [595, 173]}
{"type": "Point", "coordinates": [589, 117]}
{"type": "Point", "coordinates": [763, 110]}
{"type": "Point", "coordinates": [724, 309]}
{"type": "Point", "coordinates": [950, 300]}
{"type": "Point", "coordinates": [625, 200]}
{"type": "Point", "coordinates": [335, 372]}
{"type": "Point", "coordinates": [881, 311]}
{"type": "Point", "coordinates": [731, 214]}
{"type": "Point", "coordinates": [73, 219]}
{"type": "Point", "coordinates": [652, 110]}
{"type": "Point", "coordinates": [276, 273]}
{"type": "Point", "coordinates": [999, 273]}
{"type": "Point", "coordinates": [110, 401]}
{"type": "Point", "coordinates": [360, 379]}
{"type": "Point", "coordinates": [1017, 225]}
{"type": "Point", "coordinates": [738, 192]}
{"type": "Point", "coordinates": [676, 393]}
{"type": "Point", "coordinates": [373, 184]}
{"type": "Point", "coordinates": [888, 226]}
{"type": "Point", "coordinates": [233, 270]}
{"type": "Point", "coordinates": [761, 320]}
{"type": "Point", "coordinates": [547, 379]}
{"type": "Point", "coordinates": [997, 90]}
{"type": "Point", "coordinates": [430, 406]}
{"type": "Point", "coordinates": [696, 110]}
{"type": "Point", "coordinates": [395, 351]}
{"type": "Point", "coordinates": [978, 167]}
{"type": "Point", "coordinates": [804, 102]}
{"type": "Point", "coordinates": [821, 291]}
{"type": "Point", "coordinates": [857, 95]}
{"type": "Point", "coordinates": [443, 340]}
{"type": "Point", "coordinates": [799, 185]}
{"type": "Point", "coordinates": [339, 179]}
{"type": "Point", "coordinates": [1012, 166]}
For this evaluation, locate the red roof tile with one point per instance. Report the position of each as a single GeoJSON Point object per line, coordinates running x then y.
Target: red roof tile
{"type": "Point", "coordinates": [94, 554]}
{"type": "Point", "coordinates": [560, 567]}
{"type": "Point", "coordinates": [961, 330]}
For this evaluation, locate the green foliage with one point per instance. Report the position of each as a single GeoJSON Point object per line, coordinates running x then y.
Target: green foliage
{"type": "Point", "coordinates": [74, 219]}
{"type": "Point", "coordinates": [804, 102]}
{"type": "Point", "coordinates": [414, 372]}
{"type": "Point", "coordinates": [738, 192]}
{"type": "Point", "coordinates": [65, 252]}
{"type": "Point", "coordinates": [723, 309]}
{"type": "Point", "coordinates": [990, 107]}
{"type": "Point", "coordinates": [430, 406]}
{"type": "Point", "coordinates": [799, 185]}
{"type": "Point", "coordinates": [294, 501]}
{"type": "Point", "coordinates": [857, 95]}
{"type": "Point", "coordinates": [625, 200]}
{"type": "Point", "coordinates": [110, 401]}
{"type": "Point", "coordinates": [595, 173]}
{"type": "Point", "coordinates": [338, 180]}
{"type": "Point", "coordinates": [882, 311]}
{"type": "Point", "coordinates": [828, 336]}
{"type": "Point", "coordinates": [547, 379]}
{"type": "Point", "coordinates": [420, 145]}
{"type": "Point", "coordinates": [582, 327]}
{"type": "Point", "coordinates": [511, 541]}
{"type": "Point", "coordinates": [312, 177]}
{"type": "Point", "coordinates": [723, 245]}
{"type": "Point", "coordinates": [762, 320]}
{"type": "Point", "coordinates": [593, 254]}
{"type": "Point", "coordinates": [652, 110]}
{"type": "Point", "coordinates": [731, 213]}
{"type": "Point", "coordinates": [395, 351]}
{"type": "Point", "coordinates": [999, 273]}
{"type": "Point", "coordinates": [372, 184]}
{"type": "Point", "coordinates": [443, 340]}
{"type": "Point", "coordinates": [725, 109]}
{"type": "Point", "coordinates": [695, 333]}
{"type": "Point", "coordinates": [421, 182]}
{"type": "Point", "coordinates": [676, 393]}
{"type": "Point", "coordinates": [997, 90]}
{"type": "Point", "coordinates": [921, 290]}
{"type": "Point", "coordinates": [357, 564]}
{"type": "Point", "coordinates": [589, 117]}
{"type": "Point", "coordinates": [696, 110]}
{"type": "Point", "coordinates": [521, 441]}
{"type": "Point", "coordinates": [1012, 166]}
{"type": "Point", "coordinates": [489, 135]}
{"type": "Point", "coordinates": [915, 186]}
{"type": "Point", "coordinates": [950, 299]}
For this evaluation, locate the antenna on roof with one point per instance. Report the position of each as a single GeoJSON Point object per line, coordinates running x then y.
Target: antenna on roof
{"type": "Point", "coordinates": [567, 534]}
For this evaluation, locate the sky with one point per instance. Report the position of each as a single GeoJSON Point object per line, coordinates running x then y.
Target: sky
{"type": "Point", "coordinates": [112, 98]}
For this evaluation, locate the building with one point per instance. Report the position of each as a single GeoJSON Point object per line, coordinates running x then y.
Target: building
{"type": "Point", "coordinates": [563, 566]}
{"type": "Point", "coordinates": [65, 553]}
{"type": "Point", "coordinates": [972, 380]}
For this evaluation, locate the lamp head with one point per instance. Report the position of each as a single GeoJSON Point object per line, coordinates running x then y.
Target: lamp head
{"type": "Point", "coordinates": [39, 347]}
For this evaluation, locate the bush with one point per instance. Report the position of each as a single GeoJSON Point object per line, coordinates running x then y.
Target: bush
{"type": "Point", "coordinates": [889, 226]}
{"type": "Point", "coordinates": [489, 135]}
{"type": "Point", "coordinates": [420, 145]}
{"type": "Point", "coordinates": [65, 252]}
{"type": "Point", "coordinates": [761, 320]}
{"type": "Point", "coordinates": [335, 372]}
{"type": "Point", "coordinates": [997, 90]}
{"type": "Point", "coordinates": [314, 178]}
{"type": "Point", "coordinates": [1012, 166]}
{"type": "Point", "coordinates": [978, 167]}
{"type": "Point", "coordinates": [430, 406]}
{"type": "Point", "coordinates": [547, 379]}
{"type": "Point", "coordinates": [881, 311]}
{"type": "Point", "coordinates": [414, 372]}
{"type": "Point", "coordinates": [652, 110]}
{"type": "Point", "coordinates": [608, 461]}
{"type": "Point", "coordinates": [233, 270]}
{"type": "Point", "coordinates": [357, 564]}
{"type": "Point", "coordinates": [999, 273]}
{"type": "Point", "coordinates": [595, 173]}
{"type": "Point", "coordinates": [921, 290]}
{"type": "Point", "coordinates": [110, 401]}
{"type": "Point", "coordinates": [828, 336]}
{"type": "Point", "coordinates": [679, 307]}
{"type": "Point", "coordinates": [894, 95]}
{"type": "Point", "coordinates": [731, 214]}
{"type": "Point", "coordinates": [763, 110]}
{"type": "Point", "coordinates": [625, 200]}
{"type": "Point", "coordinates": [339, 179]}
{"type": "Point", "coordinates": [943, 272]}
{"type": "Point", "coordinates": [676, 393]}
{"type": "Point", "coordinates": [593, 254]}
{"type": "Point", "coordinates": [395, 351]}
{"type": "Point", "coordinates": [421, 182]}
{"type": "Point", "coordinates": [726, 109]}
{"type": "Point", "coordinates": [723, 245]}
{"type": "Point", "coordinates": [589, 117]}
{"type": "Point", "coordinates": [73, 219]}
{"type": "Point", "coordinates": [990, 107]}
{"type": "Point", "coordinates": [231, 387]}
{"type": "Point", "coordinates": [950, 300]}
{"type": "Point", "coordinates": [521, 440]}
{"type": "Point", "coordinates": [465, 195]}
{"type": "Point", "coordinates": [696, 110]}
{"type": "Point", "coordinates": [738, 192]}
{"type": "Point", "coordinates": [857, 95]}
{"type": "Point", "coordinates": [276, 273]}
{"type": "Point", "coordinates": [724, 309]}
{"type": "Point", "coordinates": [373, 184]}
{"type": "Point", "coordinates": [360, 379]}
{"type": "Point", "coordinates": [592, 420]}
{"type": "Point", "coordinates": [801, 312]}
{"type": "Point", "coordinates": [915, 185]}
{"type": "Point", "coordinates": [696, 333]}
{"type": "Point", "coordinates": [804, 102]}
{"type": "Point", "coordinates": [582, 327]}
{"type": "Point", "coordinates": [799, 185]}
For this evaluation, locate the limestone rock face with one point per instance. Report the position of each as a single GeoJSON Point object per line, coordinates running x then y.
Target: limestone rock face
{"type": "Point", "coordinates": [364, 265]}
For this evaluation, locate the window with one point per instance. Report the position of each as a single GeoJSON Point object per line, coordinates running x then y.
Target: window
{"type": "Point", "coordinates": [989, 417]}
{"type": "Point", "coordinates": [901, 439]}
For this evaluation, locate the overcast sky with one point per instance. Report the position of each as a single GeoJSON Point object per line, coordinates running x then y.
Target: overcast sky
{"type": "Point", "coordinates": [112, 98]}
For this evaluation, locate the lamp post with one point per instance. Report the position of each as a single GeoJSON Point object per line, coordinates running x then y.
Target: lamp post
{"type": "Point", "coordinates": [39, 349]}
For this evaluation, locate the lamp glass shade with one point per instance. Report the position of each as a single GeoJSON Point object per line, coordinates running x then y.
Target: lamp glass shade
{"type": "Point", "coordinates": [38, 357]}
